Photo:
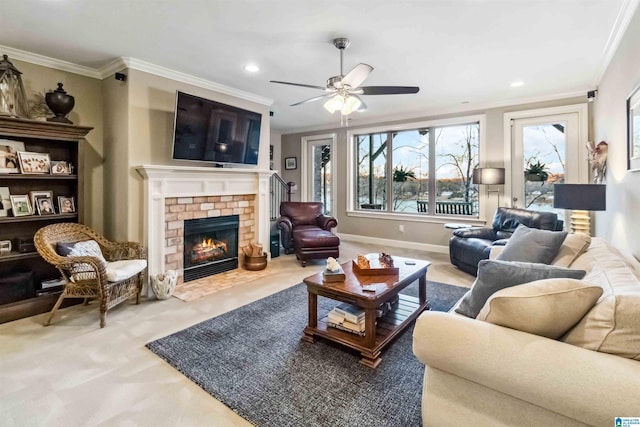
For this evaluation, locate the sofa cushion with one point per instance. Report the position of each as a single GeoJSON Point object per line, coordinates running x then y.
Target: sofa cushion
{"type": "Point", "coordinates": [573, 246]}
{"type": "Point", "coordinates": [84, 248]}
{"type": "Point", "coordinates": [123, 269]}
{"type": "Point", "coordinates": [533, 245]}
{"type": "Point", "coordinates": [613, 324]}
{"type": "Point", "coordinates": [494, 275]}
{"type": "Point", "coordinates": [547, 308]}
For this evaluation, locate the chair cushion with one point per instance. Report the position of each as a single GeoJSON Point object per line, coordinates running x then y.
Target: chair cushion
{"type": "Point", "coordinates": [547, 308]}
{"type": "Point", "coordinates": [121, 270]}
{"type": "Point", "coordinates": [315, 238]}
{"type": "Point", "coordinates": [532, 245]}
{"type": "Point", "coordinates": [494, 275]}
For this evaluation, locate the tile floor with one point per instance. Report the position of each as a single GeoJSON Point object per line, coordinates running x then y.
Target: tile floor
{"type": "Point", "coordinates": [73, 373]}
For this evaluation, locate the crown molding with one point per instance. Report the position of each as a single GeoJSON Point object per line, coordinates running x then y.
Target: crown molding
{"type": "Point", "coordinates": [46, 61]}
{"type": "Point", "coordinates": [157, 70]}
{"type": "Point", "coordinates": [119, 64]}
{"type": "Point", "coordinates": [627, 9]}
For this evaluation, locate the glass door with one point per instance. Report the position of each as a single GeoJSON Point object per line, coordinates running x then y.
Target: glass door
{"type": "Point", "coordinates": [319, 172]}
{"type": "Point", "coordinates": [545, 152]}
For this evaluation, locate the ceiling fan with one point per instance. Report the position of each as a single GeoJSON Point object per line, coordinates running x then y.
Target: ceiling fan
{"type": "Point", "coordinates": [343, 91]}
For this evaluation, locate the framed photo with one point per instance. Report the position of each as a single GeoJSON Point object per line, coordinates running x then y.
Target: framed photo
{"type": "Point", "coordinates": [9, 155]}
{"type": "Point", "coordinates": [20, 205]}
{"type": "Point", "coordinates": [34, 163]}
{"type": "Point", "coordinates": [633, 130]}
{"type": "Point", "coordinates": [290, 163]}
{"type": "Point", "coordinates": [34, 194]}
{"type": "Point", "coordinates": [60, 167]}
{"type": "Point", "coordinates": [66, 205]}
{"type": "Point", "coordinates": [44, 205]}
{"type": "Point", "coordinates": [5, 201]}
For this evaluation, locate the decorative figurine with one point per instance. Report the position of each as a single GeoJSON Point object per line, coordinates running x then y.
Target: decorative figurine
{"type": "Point", "coordinates": [385, 260]}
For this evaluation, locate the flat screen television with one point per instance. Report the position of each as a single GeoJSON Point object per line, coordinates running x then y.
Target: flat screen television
{"type": "Point", "coordinates": [210, 131]}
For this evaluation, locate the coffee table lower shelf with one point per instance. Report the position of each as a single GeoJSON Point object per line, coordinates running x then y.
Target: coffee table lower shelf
{"type": "Point", "coordinates": [387, 328]}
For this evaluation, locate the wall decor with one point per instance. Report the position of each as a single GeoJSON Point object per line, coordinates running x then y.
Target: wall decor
{"type": "Point", "coordinates": [66, 205]}
{"type": "Point", "coordinates": [34, 163]}
{"type": "Point", "coordinates": [598, 161]}
{"type": "Point", "coordinates": [633, 130]}
{"type": "Point", "coordinates": [20, 205]}
{"type": "Point", "coordinates": [290, 163]}
{"type": "Point", "coordinates": [5, 201]}
{"type": "Point", "coordinates": [9, 155]}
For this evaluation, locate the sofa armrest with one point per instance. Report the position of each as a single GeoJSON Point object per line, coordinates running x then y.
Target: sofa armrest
{"type": "Point", "coordinates": [479, 233]}
{"type": "Point", "coordinates": [581, 384]}
{"type": "Point", "coordinates": [326, 222]}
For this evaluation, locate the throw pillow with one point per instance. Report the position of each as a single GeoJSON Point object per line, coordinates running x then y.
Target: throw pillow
{"type": "Point", "coordinates": [573, 246]}
{"type": "Point", "coordinates": [494, 275]}
{"type": "Point", "coordinates": [81, 271]}
{"type": "Point", "coordinates": [533, 245]}
{"type": "Point", "coordinates": [547, 308]}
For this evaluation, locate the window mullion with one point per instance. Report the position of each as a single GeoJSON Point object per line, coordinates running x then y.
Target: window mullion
{"type": "Point", "coordinates": [432, 171]}
{"type": "Point", "coordinates": [389, 165]}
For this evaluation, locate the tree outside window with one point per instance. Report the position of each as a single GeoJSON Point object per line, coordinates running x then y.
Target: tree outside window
{"type": "Point", "coordinates": [431, 170]}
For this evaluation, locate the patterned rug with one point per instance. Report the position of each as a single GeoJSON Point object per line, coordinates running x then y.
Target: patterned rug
{"type": "Point", "coordinates": [253, 361]}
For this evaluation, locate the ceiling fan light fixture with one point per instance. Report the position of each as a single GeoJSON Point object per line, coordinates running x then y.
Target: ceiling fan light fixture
{"type": "Point", "coordinates": [351, 104]}
{"type": "Point", "coordinates": [334, 104]}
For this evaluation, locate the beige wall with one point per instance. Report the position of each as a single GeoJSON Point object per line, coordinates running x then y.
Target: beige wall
{"type": "Point", "coordinates": [431, 233]}
{"type": "Point", "coordinates": [87, 112]}
{"type": "Point", "coordinates": [115, 96]}
{"type": "Point", "coordinates": [619, 224]}
{"type": "Point", "coordinates": [150, 137]}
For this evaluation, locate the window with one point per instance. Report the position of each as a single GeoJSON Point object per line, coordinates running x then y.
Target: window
{"type": "Point", "coordinates": [430, 169]}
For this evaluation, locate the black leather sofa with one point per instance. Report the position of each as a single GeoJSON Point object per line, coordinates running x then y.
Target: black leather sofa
{"type": "Point", "coordinates": [469, 246]}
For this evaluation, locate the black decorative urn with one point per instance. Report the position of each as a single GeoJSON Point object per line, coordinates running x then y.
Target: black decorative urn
{"type": "Point", "coordinates": [61, 104]}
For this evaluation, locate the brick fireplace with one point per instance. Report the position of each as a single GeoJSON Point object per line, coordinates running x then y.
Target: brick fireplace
{"type": "Point", "coordinates": [176, 194]}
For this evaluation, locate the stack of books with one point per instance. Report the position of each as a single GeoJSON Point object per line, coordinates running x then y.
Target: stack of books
{"type": "Point", "coordinates": [347, 317]}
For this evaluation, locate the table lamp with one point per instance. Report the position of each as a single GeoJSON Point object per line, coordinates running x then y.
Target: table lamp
{"type": "Point", "coordinates": [489, 176]}
{"type": "Point", "coordinates": [580, 198]}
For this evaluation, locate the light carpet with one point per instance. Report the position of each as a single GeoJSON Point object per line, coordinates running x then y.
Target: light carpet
{"type": "Point", "coordinates": [253, 361]}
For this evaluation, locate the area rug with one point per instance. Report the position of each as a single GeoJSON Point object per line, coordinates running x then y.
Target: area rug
{"type": "Point", "coordinates": [253, 361]}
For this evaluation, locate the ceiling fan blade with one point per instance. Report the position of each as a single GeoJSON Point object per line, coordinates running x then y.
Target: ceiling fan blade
{"type": "Point", "coordinates": [388, 90]}
{"type": "Point", "coordinates": [357, 75]}
{"type": "Point", "coordinates": [362, 106]}
{"type": "Point", "coordinates": [299, 84]}
{"type": "Point", "coordinates": [315, 98]}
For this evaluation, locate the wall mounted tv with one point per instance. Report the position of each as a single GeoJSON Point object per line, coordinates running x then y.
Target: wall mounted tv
{"type": "Point", "coordinates": [209, 131]}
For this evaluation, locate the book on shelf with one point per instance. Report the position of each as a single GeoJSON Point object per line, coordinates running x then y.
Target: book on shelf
{"type": "Point", "coordinates": [339, 319]}
{"type": "Point", "coordinates": [342, 327]}
{"type": "Point", "coordinates": [350, 312]}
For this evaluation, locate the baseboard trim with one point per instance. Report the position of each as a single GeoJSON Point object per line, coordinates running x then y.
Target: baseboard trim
{"type": "Point", "coordinates": [394, 243]}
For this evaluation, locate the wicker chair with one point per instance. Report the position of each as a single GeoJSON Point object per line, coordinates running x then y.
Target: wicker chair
{"type": "Point", "coordinates": [86, 275]}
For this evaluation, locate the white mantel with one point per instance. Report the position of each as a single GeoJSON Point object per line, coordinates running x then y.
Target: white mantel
{"type": "Point", "coordinates": [162, 182]}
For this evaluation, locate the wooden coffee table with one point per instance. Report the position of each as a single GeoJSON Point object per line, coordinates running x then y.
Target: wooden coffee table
{"type": "Point", "coordinates": [379, 335]}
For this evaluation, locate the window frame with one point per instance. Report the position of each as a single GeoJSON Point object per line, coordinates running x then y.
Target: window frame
{"type": "Point", "coordinates": [352, 210]}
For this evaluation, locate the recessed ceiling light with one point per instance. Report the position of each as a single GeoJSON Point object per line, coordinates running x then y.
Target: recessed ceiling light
{"type": "Point", "coordinates": [517, 83]}
{"type": "Point", "coordinates": [252, 68]}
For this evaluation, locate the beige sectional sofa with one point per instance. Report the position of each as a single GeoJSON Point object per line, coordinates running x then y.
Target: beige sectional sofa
{"type": "Point", "coordinates": [481, 374]}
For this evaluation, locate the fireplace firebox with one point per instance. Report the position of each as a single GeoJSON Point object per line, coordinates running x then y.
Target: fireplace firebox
{"type": "Point", "coordinates": [210, 246]}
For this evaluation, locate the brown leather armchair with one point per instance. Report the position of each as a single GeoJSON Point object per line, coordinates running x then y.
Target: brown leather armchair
{"type": "Point", "coordinates": [306, 231]}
